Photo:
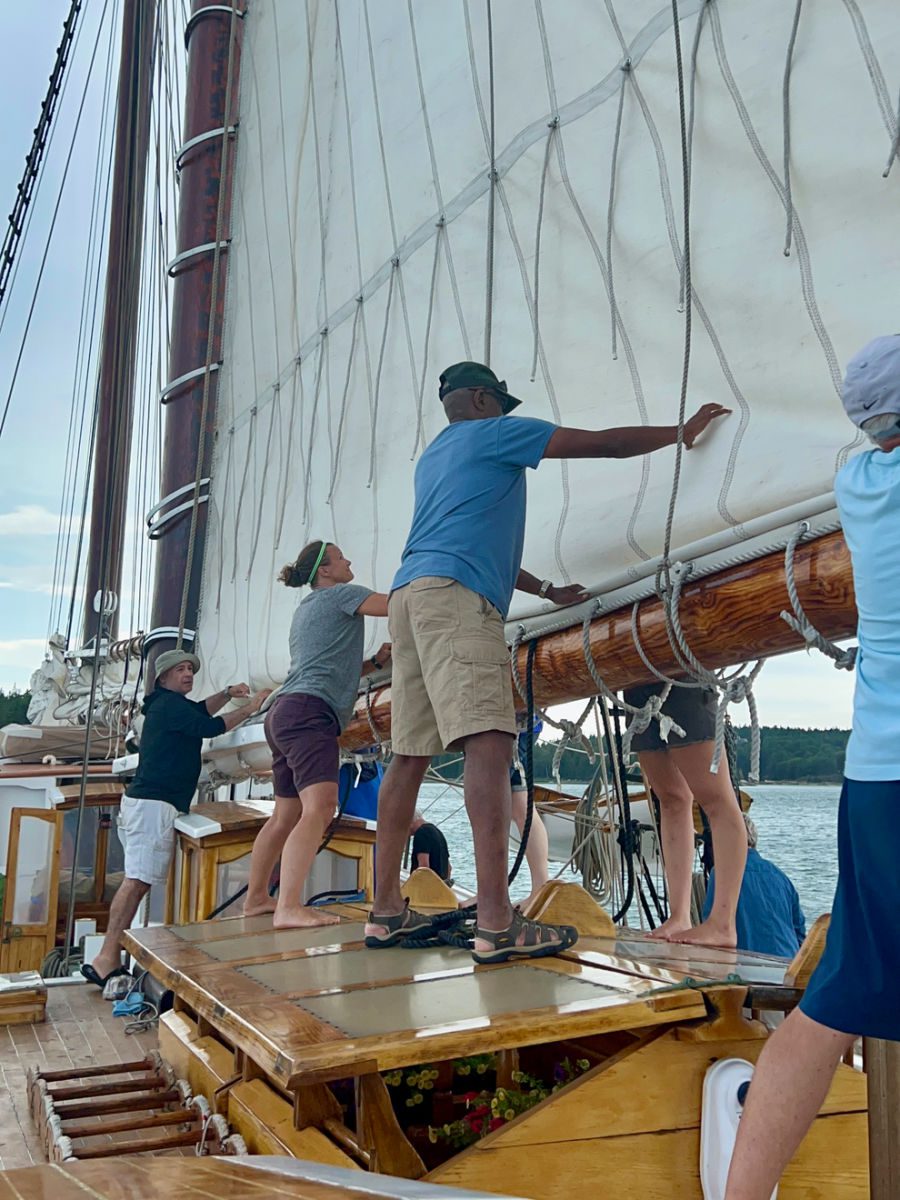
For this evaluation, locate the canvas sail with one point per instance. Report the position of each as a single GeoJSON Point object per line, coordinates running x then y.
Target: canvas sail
{"type": "Point", "coordinates": [419, 183]}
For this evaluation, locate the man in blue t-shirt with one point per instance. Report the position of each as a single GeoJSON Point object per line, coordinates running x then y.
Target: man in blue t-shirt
{"type": "Point", "coordinates": [769, 917]}
{"type": "Point", "coordinates": [450, 687]}
{"type": "Point", "coordinates": [853, 991]}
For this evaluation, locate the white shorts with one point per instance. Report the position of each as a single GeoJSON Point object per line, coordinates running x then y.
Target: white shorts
{"type": "Point", "coordinates": [146, 830]}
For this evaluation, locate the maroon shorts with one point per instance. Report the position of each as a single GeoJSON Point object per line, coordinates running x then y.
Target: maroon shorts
{"type": "Point", "coordinates": [302, 732]}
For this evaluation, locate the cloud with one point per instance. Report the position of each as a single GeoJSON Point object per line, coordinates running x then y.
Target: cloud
{"type": "Point", "coordinates": [22, 652]}
{"type": "Point", "coordinates": [36, 577]}
{"type": "Point", "coordinates": [30, 520]}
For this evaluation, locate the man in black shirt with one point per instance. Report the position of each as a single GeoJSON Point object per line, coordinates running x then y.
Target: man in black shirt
{"type": "Point", "coordinates": [163, 786]}
{"type": "Point", "coordinates": [429, 848]}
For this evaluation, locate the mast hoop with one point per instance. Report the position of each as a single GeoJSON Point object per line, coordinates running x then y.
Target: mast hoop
{"type": "Point", "coordinates": [157, 528]}
{"type": "Point", "coordinates": [211, 10]}
{"type": "Point", "coordinates": [175, 386]}
{"type": "Point", "coordinates": [167, 633]}
{"type": "Point", "coordinates": [209, 135]}
{"type": "Point", "coordinates": [172, 268]}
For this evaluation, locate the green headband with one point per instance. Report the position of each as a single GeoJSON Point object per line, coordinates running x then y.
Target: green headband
{"type": "Point", "coordinates": [318, 563]}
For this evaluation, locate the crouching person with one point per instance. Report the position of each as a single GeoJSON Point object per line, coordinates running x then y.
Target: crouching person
{"type": "Point", "coordinates": [163, 786]}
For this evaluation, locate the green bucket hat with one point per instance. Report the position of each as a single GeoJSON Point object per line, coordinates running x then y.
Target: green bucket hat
{"type": "Point", "coordinates": [476, 375]}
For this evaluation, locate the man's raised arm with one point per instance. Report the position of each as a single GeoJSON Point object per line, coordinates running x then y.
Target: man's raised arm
{"type": "Point", "coordinates": [629, 441]}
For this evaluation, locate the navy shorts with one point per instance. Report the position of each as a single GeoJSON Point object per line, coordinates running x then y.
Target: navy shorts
{"type": "Point", "coordinates": [854, 987]}
{"type": "Point", "coordinates": [694, 709]}
{"type": "Point", "coordinates": [302, 732]}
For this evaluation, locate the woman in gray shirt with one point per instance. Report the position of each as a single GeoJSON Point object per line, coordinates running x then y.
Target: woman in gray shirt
{"type": "Point", "coordinates": [304, 724]}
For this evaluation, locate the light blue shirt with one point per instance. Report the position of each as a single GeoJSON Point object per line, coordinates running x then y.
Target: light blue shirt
{"type": "Point", "coordinates": [469, 517]}
{"type": "Point", "coordinates": [868, 497]}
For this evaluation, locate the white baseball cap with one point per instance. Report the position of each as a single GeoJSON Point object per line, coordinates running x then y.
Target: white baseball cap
{"type": "Point", "coordinates": [872, 382]}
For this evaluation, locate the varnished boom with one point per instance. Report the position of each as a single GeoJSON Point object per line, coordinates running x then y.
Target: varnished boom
{"type": "Point", "coordinates": [727, 617]}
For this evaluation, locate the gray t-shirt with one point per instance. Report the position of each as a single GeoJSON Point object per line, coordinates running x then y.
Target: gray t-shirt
{"type": "Point", "coordinates": [327, 640]}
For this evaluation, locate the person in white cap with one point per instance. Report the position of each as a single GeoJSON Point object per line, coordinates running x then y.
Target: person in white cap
{"type": "Point", "coordinates": [852, 992]}
{"type": "Point", "coordinates": [163, 786]}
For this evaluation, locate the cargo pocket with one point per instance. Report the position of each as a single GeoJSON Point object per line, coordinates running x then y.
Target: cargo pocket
{"type": "Point", "coordinates": [434, 604]}
{"type": "Point", "coordinates": [484, 663]}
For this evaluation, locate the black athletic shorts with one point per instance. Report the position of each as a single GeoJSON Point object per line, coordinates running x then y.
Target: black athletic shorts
{"type": "Point", "coordinates": [694, 709]}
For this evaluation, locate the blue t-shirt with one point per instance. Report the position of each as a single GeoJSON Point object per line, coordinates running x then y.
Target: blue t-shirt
{"type": "Point", "coordinates": [769, 917]}
{"type": "Point", "coordinates": [868, 497]}
{"type": "Point", "coordinates": [469, 518]}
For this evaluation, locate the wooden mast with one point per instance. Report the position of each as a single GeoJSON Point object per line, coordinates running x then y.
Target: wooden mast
{"type": "Point", "coordinates": [727, 617]}
{"type": "Point", "coordinates": [213, 37]}
{"type": "Point", "coordinates": [121, 310]}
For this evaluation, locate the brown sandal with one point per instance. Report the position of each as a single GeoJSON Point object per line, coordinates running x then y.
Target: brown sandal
{"type": "Point", "coordinates": [381, 932]}
{"type": "Point", "coordinates": [539, 940]}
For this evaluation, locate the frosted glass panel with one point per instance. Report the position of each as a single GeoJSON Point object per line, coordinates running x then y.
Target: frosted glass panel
{"type": "Point", "coordinates": [31, 902]}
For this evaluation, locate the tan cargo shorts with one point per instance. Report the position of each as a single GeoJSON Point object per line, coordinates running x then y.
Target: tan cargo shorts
{"type": "Point", "coordinates": [450, 673]}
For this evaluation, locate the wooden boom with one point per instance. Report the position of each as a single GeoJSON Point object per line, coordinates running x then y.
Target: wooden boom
{"type": "Point", "coordinates": [727, 617]}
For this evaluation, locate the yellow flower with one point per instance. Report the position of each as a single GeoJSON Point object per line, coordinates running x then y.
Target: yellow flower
{"type": "Point", "coordinates": [509, 1114]}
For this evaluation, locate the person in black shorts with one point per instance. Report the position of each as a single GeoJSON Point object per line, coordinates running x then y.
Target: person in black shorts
{"type": "Point", "coordinates": [679, 773]}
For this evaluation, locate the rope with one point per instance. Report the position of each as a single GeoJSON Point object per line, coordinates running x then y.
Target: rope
{"type": "Point", "coordinates": [420, 437]}
{"type": "Point", "coordinates": [786, 101]}
{"type": "Point", "coordinates": [211, 327]}
{"type": "Point", "coordinates": [376, 735]}
{"type": "Point", "coordinates": [572, 732]}
{"type": "Point", "coordinates": [492, 192]}
{"type": "Point", "coordinates": [554, 126]}
{"type": "Point", "coordinates": [688, 293]}
{"type": "Point", "coordinates": [56, 209]}
{"type": "Point", "coordinates": [732, 689]}
{"type": "Point", "coordinates": [695, 53]}
{"type": "Point", "coordinates": [844, 660]}
{"type": "Point", "coordinates": [642, 717]}
{"type": "Point", "coordinates": [682, 683]}
{"type": "Point", "coordinates": [895, 145]}
{"type": "Point", "coordinates": [610, 206]}
{"type": "Point", "coordinates": [528, 764]}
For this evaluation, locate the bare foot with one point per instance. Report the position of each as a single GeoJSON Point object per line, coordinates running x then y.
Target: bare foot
{"type": "Point", "coordinates": [255, 908]}
{"type": "Point", "coordinates": [303, 918]}
{"type": "Point", "coordinates": [670, 930]}
{"type": "Point", "coordinates": [707, 934]}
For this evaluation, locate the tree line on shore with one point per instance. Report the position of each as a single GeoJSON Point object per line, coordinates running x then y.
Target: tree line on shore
{"type": "Point", "coordinates": [788, 755]}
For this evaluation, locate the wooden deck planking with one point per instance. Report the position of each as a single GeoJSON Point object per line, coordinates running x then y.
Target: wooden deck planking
{"type": "Point", "coordinates": [79, 1031]}
{"type": "Point", "coordinates": [186, 1179]}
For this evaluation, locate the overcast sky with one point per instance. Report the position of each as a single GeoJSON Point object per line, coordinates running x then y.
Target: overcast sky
{"type": "Point", "coordinates": [797, 690]}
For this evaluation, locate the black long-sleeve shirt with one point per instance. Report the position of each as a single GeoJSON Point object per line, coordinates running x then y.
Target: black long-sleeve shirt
{"type": "Point", "coordinates": [169, 756]}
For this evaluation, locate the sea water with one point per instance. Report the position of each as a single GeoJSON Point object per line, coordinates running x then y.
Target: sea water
{"type": "Point", "coordinates": [796, 823]}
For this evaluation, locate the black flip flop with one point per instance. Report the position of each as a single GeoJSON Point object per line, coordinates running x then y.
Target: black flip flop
{"type": "Point", "coordinates": [92, 977]}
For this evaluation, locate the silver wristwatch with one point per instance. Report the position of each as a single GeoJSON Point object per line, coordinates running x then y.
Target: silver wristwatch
{"type": "Point", "coordinates": [545, 587]}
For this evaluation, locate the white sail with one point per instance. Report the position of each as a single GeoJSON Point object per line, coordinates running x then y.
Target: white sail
{"type": "Point", "coordinates": [362, 263]}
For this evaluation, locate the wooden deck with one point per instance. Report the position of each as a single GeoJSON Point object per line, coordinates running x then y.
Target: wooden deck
{"type": "Point", "coordinates": [200, 1179]}
{"type": "Point", "coordinates": [79, 1031]}
{"type": "Point", "coordinates": [309, 1005]}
